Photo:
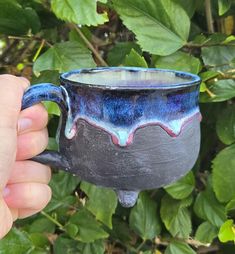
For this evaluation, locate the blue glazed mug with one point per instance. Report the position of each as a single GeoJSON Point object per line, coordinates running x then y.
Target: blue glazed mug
{"type": "Point", "coordinates": [126, 128]}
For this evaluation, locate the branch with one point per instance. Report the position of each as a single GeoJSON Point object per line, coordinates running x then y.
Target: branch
{"type": "Point", "coordinates": [61, 227]}
{"type": "Point", "coordinates": [192, 242]}
{"type": "Point", "coordinates": [203, 45]}
{"type": "Point", "coordinates": [209, 18]}
{"type": "Point", "coordinates": [204, 250]}
{"type": "Point", "coordinates": [31, 38]}
{"type": "Point", "coordinates": [89, 45]}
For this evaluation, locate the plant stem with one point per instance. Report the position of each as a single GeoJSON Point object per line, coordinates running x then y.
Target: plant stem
{"type": "Point", "coordinates": [193, 242]}
{"type": "Point", "coordinates": [212, 95]}
{"type": "Point", "coordinates": [39, 50]}
{"type": "Point", "coordinates": [30, 38]}
{"type": "Point", "coordinates": [204, 250]}
{"type": "Point", "coordinates": [203, 45]}
{"type": "Point", "coordinates": [209, 18]}
{"type": "Point", "coordinates": [140, 246]}
{"type": "Point", "coordinates": [52, 220]}
{"type": "Point", "coordinates": [89, 45]}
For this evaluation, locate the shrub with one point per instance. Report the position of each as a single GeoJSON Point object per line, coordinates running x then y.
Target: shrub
{"type": "Point", "coordinates": [40, 39]}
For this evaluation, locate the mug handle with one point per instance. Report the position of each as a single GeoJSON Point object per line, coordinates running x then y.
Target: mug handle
{"type": "Point", "coordinates": [47, 92]}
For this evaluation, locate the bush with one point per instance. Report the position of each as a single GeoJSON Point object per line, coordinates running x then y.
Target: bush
{"type": "Point", "coordinates": [40, 39]}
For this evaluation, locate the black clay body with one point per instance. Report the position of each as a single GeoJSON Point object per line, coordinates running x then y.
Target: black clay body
{"type": "Point", "coordinates": [154, 159]}
{"type": "Point", "coordinates": [129, 129]}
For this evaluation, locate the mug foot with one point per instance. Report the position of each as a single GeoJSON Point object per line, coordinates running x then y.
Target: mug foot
{"type": "Point", "coordinates": [127, 198]}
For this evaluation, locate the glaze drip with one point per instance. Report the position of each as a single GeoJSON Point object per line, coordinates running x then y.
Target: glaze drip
{"type": "Point", "coordinates": [121, 113]}
{"type": "Point", "coordinates": [124, 136]}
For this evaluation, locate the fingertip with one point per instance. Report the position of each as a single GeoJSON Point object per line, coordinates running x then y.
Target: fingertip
{"type": "Point", "coordinates": [33, 196]}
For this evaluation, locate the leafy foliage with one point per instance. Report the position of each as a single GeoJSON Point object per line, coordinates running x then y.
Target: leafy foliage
{"type": "Point", "coordinates": [101, 202]}
{"type": "Point", "coordinates": [183, 187]}
{"type": "Point", "coordinates": [143, 218]}
{"type": "Point", "coordinates": [63, 57]}
{"type": "Point", "coordinates": [81, 12]}
{"type": "Point", "coordinates": [166, 31]}
{"type": "Point", "coordinates": [40, 39]}
{"type": "Point", "coordinates": [206, 232]}
{"type": "Point", "coordinates": [223, 166]}
{"type": "Point", "coordinates": [176, 216]}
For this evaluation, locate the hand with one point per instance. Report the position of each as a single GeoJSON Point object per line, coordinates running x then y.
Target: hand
{"type": "Point", "coordinates": [23, 183]}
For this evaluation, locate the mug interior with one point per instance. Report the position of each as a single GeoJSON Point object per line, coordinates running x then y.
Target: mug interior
{"type": "Point", "coordinates": [130, 77]}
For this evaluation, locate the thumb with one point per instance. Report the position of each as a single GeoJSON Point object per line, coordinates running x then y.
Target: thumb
{"type": "Point", "coordinates": [11, 92]}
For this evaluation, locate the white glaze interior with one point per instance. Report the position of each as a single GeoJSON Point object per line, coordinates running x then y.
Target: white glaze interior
{"type": "Point", "coordinates": [128, 78]}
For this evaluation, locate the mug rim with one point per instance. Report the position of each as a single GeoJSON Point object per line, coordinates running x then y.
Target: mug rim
{"type": "Point", "coordinates": [195, 79]}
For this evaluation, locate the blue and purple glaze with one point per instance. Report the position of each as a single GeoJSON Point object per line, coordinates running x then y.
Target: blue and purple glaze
{"type": "Point", "coordinates": [120, 110]}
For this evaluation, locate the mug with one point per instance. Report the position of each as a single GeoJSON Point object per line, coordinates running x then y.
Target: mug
{"type": "Point", "coordinates": [126, 128]}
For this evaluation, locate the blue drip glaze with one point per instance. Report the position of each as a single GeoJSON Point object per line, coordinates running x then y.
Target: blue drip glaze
{"type": "Point", "coordinates": [121, 113]}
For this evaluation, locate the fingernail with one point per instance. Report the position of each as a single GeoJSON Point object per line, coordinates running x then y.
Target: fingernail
{"type": "Point", "coordinates": [24, 124]}
{"type": "Point", "coordinates": [5, 192]}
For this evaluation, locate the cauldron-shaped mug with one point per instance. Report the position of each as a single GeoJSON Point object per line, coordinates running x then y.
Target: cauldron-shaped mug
{"type": "Point", "coordinates": [127, 128]}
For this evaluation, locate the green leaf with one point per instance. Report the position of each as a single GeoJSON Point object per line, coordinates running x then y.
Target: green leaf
{"type": "Point", "coordinates": [144, 219]}
{"type": "Point", "coordinates": [223, 174]}
{"type": "Point", "coordinates": [222, 90]}
{"type": "Point", "coordinates": [189, 6]}
{"type": "Point", "coordinates": [208, 208]}
{"type": "Point", "coordinates": [179, 61]}
{"type": "Point", "coordinates": [63, 184]}
{"type": "Point", "coordinates": [60, 203]}
{"type": "Point", "coordinates": [206, 232]}
{"type": "Point", "coordinates": [224, 6]}
{"type": "Point", "coordinates": [183, 187]}
{"type": "Point", "coordinates": [157, 28]}
{"type": "Point", "coordinates": [177, 247]}
{"type": "Point", "coordinates": [16, 241]}
{"type": "Point", "coordinates": [121, 231]}
{"type": "Point", "coordinates": [52, 108]}
{"type": "Point", "coordinates": [176, 216]}
{"type": "Point", "coordinates": [63, 57]}
{"type": "Point", "coordinates": [40, 241]}
{"type": "Point", "coordinates": [230, 206]}
{"type": "Point", "coordinates": [32, 19]}
{"type": "Point", "coordinates": [82, 12]}
{"type": "Point", "coordinates": [89, 229]}
{"type": "Point", "coordinates": [207, 75]}
{"type": "Point", "coordinates": [117, 54]}
{"type": "Point", "coordinates": [102, 202]}
{"type": "Point", "coordinates": [227, 232]}
{"type": "Point", "coordinates": [134, 59]}
{"type": "Point", "coordinates": [225, 125]}
{"type": "Point", "coordinates": [218, 57]}
{"type": "Point", "coordinates": [93, 248]}
{"type": "Point", "coordinates": [14, 20]}
{"type": "Point", "coordinates": [203, 87]}
{"type": "Point", "coordinates": [230, 38]}
{"type": "Point", "coordinates": [72, 230]}
{"type": "Point", "coordinates": [63, 245]}
{"type": "Point", "coordinates": [42, 225]}
{"type": "Point", "coordinates": [47, 77]}
{"type": "Point", "coordinates": [232, 63]}
{"type": "Point", "coordinates": [74, 35]}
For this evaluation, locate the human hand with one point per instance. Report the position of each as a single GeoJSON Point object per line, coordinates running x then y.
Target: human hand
{"type": "Point", "coordinates": [23, 134]}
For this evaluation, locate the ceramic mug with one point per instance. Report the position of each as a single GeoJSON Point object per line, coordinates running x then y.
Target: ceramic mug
{"type": "Point", "coordinates": [126, 128]}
